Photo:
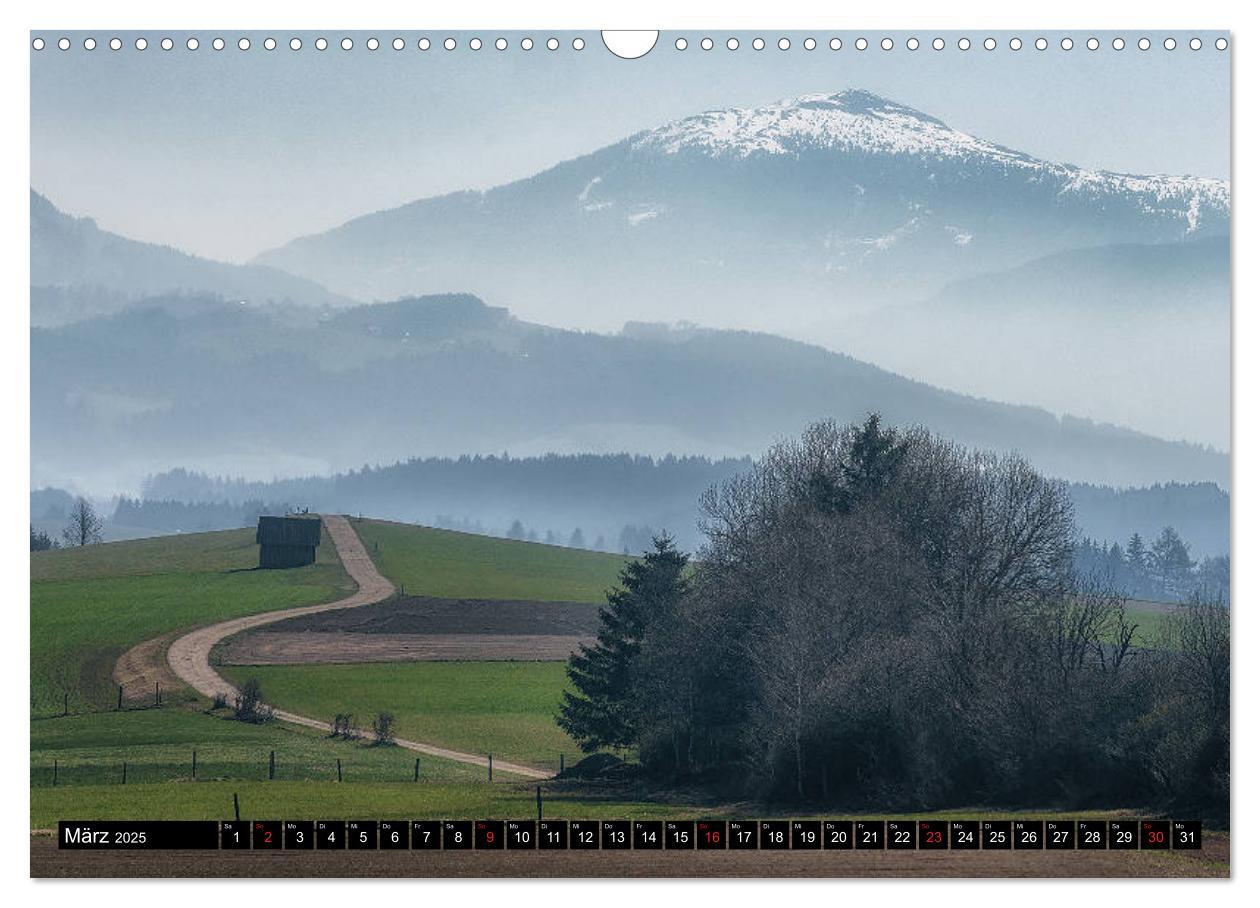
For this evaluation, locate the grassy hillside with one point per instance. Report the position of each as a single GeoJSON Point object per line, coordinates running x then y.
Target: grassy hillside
{"type": "Point", "coordinates": [89, 605]}
{"type": "Point", "coordinates": [504, 708]}
{"type": "Point", "coordinates": [429, 562]}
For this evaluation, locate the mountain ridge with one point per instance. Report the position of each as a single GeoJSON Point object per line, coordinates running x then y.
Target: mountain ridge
{"type": "Point", "coordinates": [831, 211]}
{"type": "Point", "coordinates": [805, 219]}
{"type": "Point", "coordinates": [70, 253]}
{"type": "Point", "coordinates": [743, 132]}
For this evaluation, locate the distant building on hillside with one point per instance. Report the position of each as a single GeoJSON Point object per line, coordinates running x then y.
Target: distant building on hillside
{"type": "Point", "coordinates": [286, 542]}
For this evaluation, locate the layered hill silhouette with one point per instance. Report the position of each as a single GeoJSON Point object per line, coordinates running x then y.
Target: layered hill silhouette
{"type": "Point", "coordinates": [78, 269]}
{"type": "Point", "coordinates": [825, 234]}
{"type": "Point", "coordinates": [858, 223]}
{"type": "Point", "coordinates": [223, 388]}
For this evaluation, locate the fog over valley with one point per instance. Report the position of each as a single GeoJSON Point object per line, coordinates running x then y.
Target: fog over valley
{"type": "Point", "coordinates": [664, 307]}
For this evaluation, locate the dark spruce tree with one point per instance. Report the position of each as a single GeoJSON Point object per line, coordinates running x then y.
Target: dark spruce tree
{"type": "Point", "coordinates": [602, 710]}
{"type": "Point", "coordinates": [873, 458]}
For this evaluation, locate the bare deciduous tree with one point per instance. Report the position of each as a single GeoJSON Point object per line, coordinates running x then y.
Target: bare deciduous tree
{"type": "Point", "coordinates": [383, 729]}
{"type": "Point", "coordinates": [84, 526]}
{"type": "Point", "coordinates": [343, 727]}
{"type": "Point", "coordinates": [248, 705]}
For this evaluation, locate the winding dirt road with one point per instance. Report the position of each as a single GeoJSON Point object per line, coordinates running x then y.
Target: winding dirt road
{"type": "Point", "coordinates": [189, 655]}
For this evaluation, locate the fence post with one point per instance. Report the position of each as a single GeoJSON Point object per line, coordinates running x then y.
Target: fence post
{"type": "Point", "coordinates": [236, 806]}
{"type": "Point", "coordinates": [120, 697]}
{"type": "Point", "coordinates": [417, 778]}
{"type": "Point", "coordinates": [271, 767]}
{"type": "Point", "coordinates": [538, 794]}
{"type": "Point", "coordinates": [194, 765]}
{"type": "Point", "coordinates": [55, 768]}
{"type": "Point", "coordinates": [124, 781]}
{"type": "Point", "coordinates": [65, 703]}
{"type": "Point", "coordinates": [489, 767]}
{"type": "Point", "coordinates": [157, 693]}
{"type": "Point", "coordinates": [339, 769]}
{"type": "Point", "coordinates": [562, 764]}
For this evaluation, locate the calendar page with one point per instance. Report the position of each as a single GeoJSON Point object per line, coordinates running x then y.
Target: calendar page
{"type": "Point", "coordinates": [665, 454]}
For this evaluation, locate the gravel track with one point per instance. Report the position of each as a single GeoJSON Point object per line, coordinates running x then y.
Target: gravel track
{"type": "Point", "coordinates": [189, 655]}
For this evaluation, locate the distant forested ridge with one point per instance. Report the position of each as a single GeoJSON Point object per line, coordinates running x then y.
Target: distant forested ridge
{"type": "Point", "coordinates": [603, 494]}
{"type": "Point", "coordinates": [548, 496]}
{"type": "Point", "coordinates": [191, 517]}
{"type": "Point", "coordinates": [1198, 510]}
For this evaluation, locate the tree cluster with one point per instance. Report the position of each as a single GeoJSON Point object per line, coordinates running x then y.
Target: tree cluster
{"type": "Point", "coordinates": [1164, 571]}
{"type": "Point", "coordinates": [884, 619]}
{"type": "Point", "coordinates": [248, 705]}
{"type": "Point", "coordinates": [342, 726]}
{"type": "Point", "coordinates": [41, 541]}
{"type": "Point", "coordinates": [192, 516]}
{"type": "Point", "coordinates": [576, 540]}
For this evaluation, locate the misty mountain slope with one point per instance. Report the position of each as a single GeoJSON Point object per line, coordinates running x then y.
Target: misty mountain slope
{"type": "Point", "coordinates": [249, 392]}
{"type": "Point", "coordinates": [1135, 334]}
{"type": "Point", "coordinates": [777, 218]}
{"type": "Point", "coordinates": [78, 269]}
{"type": "Point", "coordinates": [1131, 280]}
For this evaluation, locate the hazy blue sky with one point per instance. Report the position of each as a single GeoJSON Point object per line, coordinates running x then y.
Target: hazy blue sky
{"type": "Point", "coordinates": [227, 153]}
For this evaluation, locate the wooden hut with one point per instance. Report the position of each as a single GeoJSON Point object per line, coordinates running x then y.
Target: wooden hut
{"type": "Point", "coordinates": [286, 542]}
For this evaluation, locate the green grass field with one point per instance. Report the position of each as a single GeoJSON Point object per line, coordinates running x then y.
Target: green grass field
{"type": "Point", "coordinates": [504, 708]}
{"type": "Point", "coordinates": [429, 562]}
{"type": "Point", "coordinates": [89, 605]}
{"type": "Point", "coordinates": [325, 800]}
{"type": "Point", "coordinates": [404, 800]}
{"type": "Point", "coordinates": [158, 745]}
{"type": "Point", "coordinates": [1150, 624]}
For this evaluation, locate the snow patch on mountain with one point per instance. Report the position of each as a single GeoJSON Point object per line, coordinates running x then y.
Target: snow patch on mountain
{"type": "Point", "coordinates": [643, 213]}
{"type": "Point", "coordinates": [852, 120]}
{"type": "Point", "coordinates": [586, 190]}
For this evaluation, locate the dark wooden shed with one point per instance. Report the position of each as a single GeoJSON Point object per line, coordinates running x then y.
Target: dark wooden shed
{"type": "Point", "coordinates": [286, 542]}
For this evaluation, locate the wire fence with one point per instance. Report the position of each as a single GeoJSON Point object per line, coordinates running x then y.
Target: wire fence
{"type": "Point", "coordinates": [314, 759]}
{"type": "Point", "coordinates": [390, 764]}
{"type": "Point", "coordinates": [111, 699]}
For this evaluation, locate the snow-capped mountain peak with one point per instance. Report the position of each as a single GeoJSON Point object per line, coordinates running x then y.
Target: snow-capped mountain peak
{"type": "Point", "coordinates": [853, 120]}
{"type": "Point", "coordinates": [843, 196]}
{"type": "Point", "coordinates": [859, 124]}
